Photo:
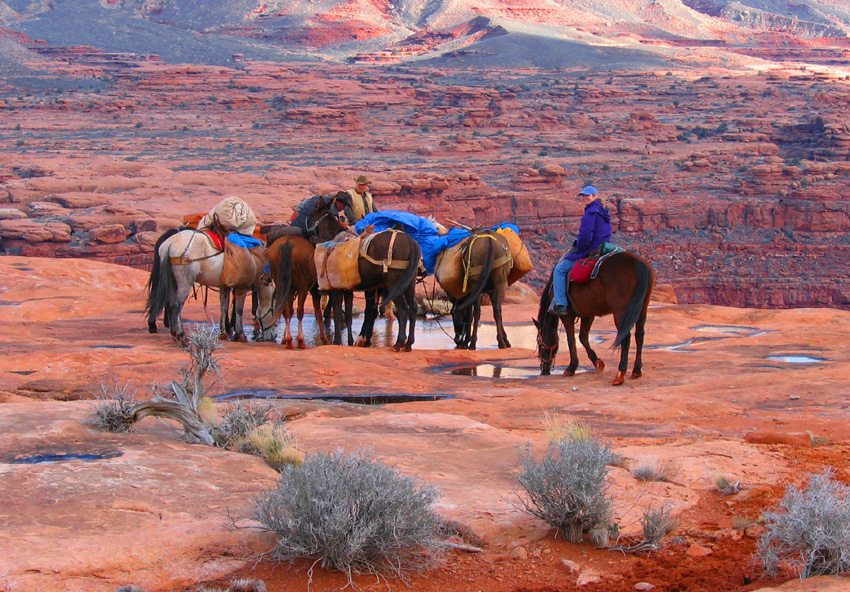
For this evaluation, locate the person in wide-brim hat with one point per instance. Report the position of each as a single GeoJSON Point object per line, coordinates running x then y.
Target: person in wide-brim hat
{"type": "Point", "coordinates": [361, 199]}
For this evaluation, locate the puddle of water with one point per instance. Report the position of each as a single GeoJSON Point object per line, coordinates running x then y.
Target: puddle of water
{"type": "Point", "coordinates": [434, 333]}
{"type": "Point", "coordinates": [731, 330]}
{"type": "Point", "coordinates": [23, 372]}
{"type": "Point", "coordinates": [358, 398]}
{"type": "Point", "coordinates": [498, 371]}
{"type": "Point", "coordinates": [797, 359]}
{"type": "Point", "coordinates": [111, 346]}
{"type": "Point", "coordinates": [52, 458]}
{"type": "Point", "coordinates": [680, 347]}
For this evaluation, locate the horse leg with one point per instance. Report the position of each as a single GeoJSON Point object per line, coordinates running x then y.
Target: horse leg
{"type": "Point", "coordinates": [184, 286]}
{"type": "Point", "coordinates": [570, 327]}
{"type": "Point", "coordinates": [410, 302]}
{"type": "Point", "coordinates": [476, 319]}
{"type": "Point", "coordinates": [335, 300]}
{"type": "Point", "coordinates": [287, 321]}
{"type": "Point", "coordinates": [349, 307]}
{"type": "Point", "coordinates": [624, 360]}
{"type": "Point", "coordinates": [459, 322]}
{"type": "Point", "coordinates": [224, 323]}
{"type": "Point", "coordinates": [401, 315]}
{"type": "Point", "coordinates": [584, 338]}
{"type": "Point", "coordinates": [317, 311]}
{"type": "Point", "coordinates": [501, 335]}
{"type": "Point", "coordinates": [238, 306]}
{"type": "Point", "coordinates": [302, 297]}
{"type": "Point", "coordinates": [369, 316]}
{"type": "Point", "coordinates": [639, 332]}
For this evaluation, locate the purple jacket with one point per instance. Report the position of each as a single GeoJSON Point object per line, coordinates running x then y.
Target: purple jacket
{"type": "Point", "coordinates": [595, 229]}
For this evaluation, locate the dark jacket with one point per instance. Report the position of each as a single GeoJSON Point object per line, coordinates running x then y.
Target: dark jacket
{"type": "Point", "coordinates": [595, 229]}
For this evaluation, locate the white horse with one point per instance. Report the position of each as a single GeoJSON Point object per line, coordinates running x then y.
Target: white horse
{"type": "Point", "coordinates": [190, 257]}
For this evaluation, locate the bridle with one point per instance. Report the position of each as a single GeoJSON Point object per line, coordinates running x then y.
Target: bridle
{"type": "Point", "coordinates": [311, 228]}
{"type": "Point", "coordinates": [264, 315]}
{"type": "Point", "coordinates": [546, 350]}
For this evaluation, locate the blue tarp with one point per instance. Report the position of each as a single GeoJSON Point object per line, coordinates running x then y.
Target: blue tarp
{"type": "Point", "coordinates": [422, 230]}
{"type": "Point", "coordinates": [243, 240]}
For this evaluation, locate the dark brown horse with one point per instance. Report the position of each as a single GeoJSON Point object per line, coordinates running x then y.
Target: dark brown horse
{"type": "Point", "coordinates": [389, 270]}
{"type": "Point", "coordinates": [484, 262]}
{"type": "Point", "coordinates": [622, 288]}
{"type": "Point", "coordinates": [294, 274]}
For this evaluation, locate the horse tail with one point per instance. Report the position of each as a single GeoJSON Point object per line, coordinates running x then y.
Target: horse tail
{"type": "Point", "coordinates": [643, 284]}
{"type": "Point", "coordinates": [283, 281]}
{"type": "Point", "coordinates": [163, 288]}
{"type": "Point", "coordinates": [486, 268]}
{"type": "Point", "coordinates": [153, 280]}
{"type": "Point", "coordinates": [408, 276]}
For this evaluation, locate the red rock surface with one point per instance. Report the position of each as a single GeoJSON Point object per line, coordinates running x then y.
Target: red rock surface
{"type": "Point", "coordinates": [730, 183]}
{"type": "Point", "coordinates": [68, 326]}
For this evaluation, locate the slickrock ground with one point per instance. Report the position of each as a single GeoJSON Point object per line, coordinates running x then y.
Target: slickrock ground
{"type": "Point", "coordinates": [159, 513]}
{"type": "Point", "coordinates": [729, 181]}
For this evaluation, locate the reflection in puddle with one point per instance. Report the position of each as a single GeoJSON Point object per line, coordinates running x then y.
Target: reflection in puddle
{"type": "Point", "coordinates": [797, 359]}
{"type": "Point", "coordinates": [111, 346]}
{"type": "Point", "coordinates": [59, 457]}
{"type": "Point", "coordinates": [731, 330]}
{"type": "Point", "coordinates": [358, 398]}
{"type": "Point", "coordinates": [495, 371]}
{"type": "Point", "coordinates": [434, 333]}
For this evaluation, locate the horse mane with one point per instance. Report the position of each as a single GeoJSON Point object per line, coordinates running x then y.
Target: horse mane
{"type": "Point", "coordinates": [545, 301]}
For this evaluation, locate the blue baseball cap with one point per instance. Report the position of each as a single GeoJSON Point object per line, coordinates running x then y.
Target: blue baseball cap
{"type": "Point", "coordinates": [588, 190]}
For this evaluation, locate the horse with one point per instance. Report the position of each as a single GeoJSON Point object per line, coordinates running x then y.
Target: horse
{"type": "Point", "coordinates": [388, 266]}
{"type": "Point", "coordinates": [187, 257]}
{"type": "Point", "coordinates": [484, 258]}
{"type": "Point", "coordinates": [294, 273]}
{"type": "Point", "coordinates": [153, 280]}
{"type": "Point", "coordinates": [622, 288]}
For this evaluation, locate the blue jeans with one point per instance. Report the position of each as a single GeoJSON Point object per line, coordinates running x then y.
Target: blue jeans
{"type": "Point", "coordinates": [559, 280]}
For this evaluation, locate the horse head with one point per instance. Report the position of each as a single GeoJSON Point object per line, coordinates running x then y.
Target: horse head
{"type": "Point", "coordinates": [264, 317]}
{"type": "Point", "coordinates": [323, 223]}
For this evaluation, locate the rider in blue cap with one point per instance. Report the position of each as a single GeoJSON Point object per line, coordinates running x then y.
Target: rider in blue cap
{"type": "Point", "coordinates": [595, 230]}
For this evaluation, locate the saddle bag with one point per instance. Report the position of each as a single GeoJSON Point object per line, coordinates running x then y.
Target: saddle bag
{"type": "Point", "coordinates": [519, 254]}
{"type": "Point", "coordinates": [242, 266]}
{"type": "Point", "coordinates": [449, 270]}
{"type": "Point", "coordinates": [580, 273]}
{"type": "Point", "coordinates": [338, 265]}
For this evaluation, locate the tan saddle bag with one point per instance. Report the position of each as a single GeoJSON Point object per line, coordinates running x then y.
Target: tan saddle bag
{"type": "Point", "coordinates": [522, 260]}
{"type": "Point", "coordinates": [337, 264]}
{"type": "Point", "coordinates": [242, 267]}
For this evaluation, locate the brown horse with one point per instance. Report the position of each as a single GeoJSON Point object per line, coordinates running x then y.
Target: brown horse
{"type": "Point", "coordinates": [294, 273]}
{"type": "Point", "coordinates": [484, 258]}
{"type": "Point", "coordinates": [622, 288]}
{"type": "Point", "coordinates": [388, 269]}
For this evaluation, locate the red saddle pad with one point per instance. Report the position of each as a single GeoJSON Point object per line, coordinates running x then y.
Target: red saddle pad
{"type": "Point", "coordinates": [580, 273]}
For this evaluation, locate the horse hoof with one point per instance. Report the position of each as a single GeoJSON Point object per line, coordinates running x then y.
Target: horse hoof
{"type": "Point", "coordinates": [301, 344]}
{"type": "Point", "coordinates": [600, 365]}
{"type": "Point", "coordinates": [408, 348]}
{"type": "Point", "coordinates": [619, 379]}
{"type": "Point", "coordinates": [544, 372]}
{"type": "Point", "coordinates": [361, 342]}
{"type": "Point", "coordinates": [241, 338]}
{"type": "Point", "coordinates": [288, 344]}
{"type": "Point", "coordinates": [151, 327]}
{"type": "Point", "coordinates": [569, 372]}
{"type": "Point", "coordinates": [222, 336]}
{"type": "Point", "coordinates": [636, 373]}
{"type": "Point", "coordinates": [396, 348]}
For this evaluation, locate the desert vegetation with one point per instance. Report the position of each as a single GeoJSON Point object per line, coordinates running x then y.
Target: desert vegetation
{"type": "Point", "coordinates": [353, 514]}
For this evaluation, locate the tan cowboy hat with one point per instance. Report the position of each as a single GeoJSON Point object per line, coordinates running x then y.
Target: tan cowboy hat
{"type": "Point", "coordinates": [362, 180]}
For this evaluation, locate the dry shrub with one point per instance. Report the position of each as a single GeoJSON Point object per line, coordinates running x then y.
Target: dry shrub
{"type": "Point", "coordinates": [349, 513]}
{"type": "Point", "coordinates": [810, 530]}
{"type": "Point", "coordinates": [207, 411]}
{"type": "Point", "coordinates": [567, 487]}
{"type": "Point", "coordinates": [726, 486]}
{"type": "Point", "coordinates": [239, 421]}
{"type": "Point", "coordinates": [271, 442]}
{"type": "Point", "coordinates": [115, 408]}
{"type": "Point", "coordinates": [650, 469]}
{"type": "Point", "coordinates": [560, 427]}
{"type": "Point", "coordinates": [657, 523]}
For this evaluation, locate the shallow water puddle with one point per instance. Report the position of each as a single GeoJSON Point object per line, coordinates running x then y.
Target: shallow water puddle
{"type": "Point", "coordinates": [495, 371]}
{"type": "Point", "coordinates": [683, 344]}
{"type": "Point", "coordinates": [357, 398]}
{"type": "Point", "coordinates": [432, 333]}
{"type": "Point", "coordinates": [731, 330]}
{"type": "Point", "coordinates": [797, 359]}
{"type": "Point", "coordinates": [52, 458]}
{"type": "Point", "coordinates": [111, 346]}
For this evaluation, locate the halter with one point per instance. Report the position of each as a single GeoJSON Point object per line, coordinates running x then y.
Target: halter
{"type": "Point", "coordinates": [311, 228]}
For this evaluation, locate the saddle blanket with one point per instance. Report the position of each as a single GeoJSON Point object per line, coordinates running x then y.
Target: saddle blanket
{"type": "Point", "coordinates": [587, 269]}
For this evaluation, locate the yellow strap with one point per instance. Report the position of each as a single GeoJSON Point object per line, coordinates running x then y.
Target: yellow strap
{"type": "Point", "coordinates": [469, 270]}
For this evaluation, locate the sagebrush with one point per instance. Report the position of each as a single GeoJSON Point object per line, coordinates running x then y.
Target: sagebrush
{"type": "Point", "coordinates": [349, 513]}
{"type": "Point", "coordinates": [809, 532]}
{"type": "Point", "coordinates": [567, 487]}
{"type": "Point", "coordinates": [115, 409]}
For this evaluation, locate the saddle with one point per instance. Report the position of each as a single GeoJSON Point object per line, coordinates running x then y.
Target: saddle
{"type": "Point", "coordinates": [587, 269]}
{"type": "Point", "coordinates": [244, 261]}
